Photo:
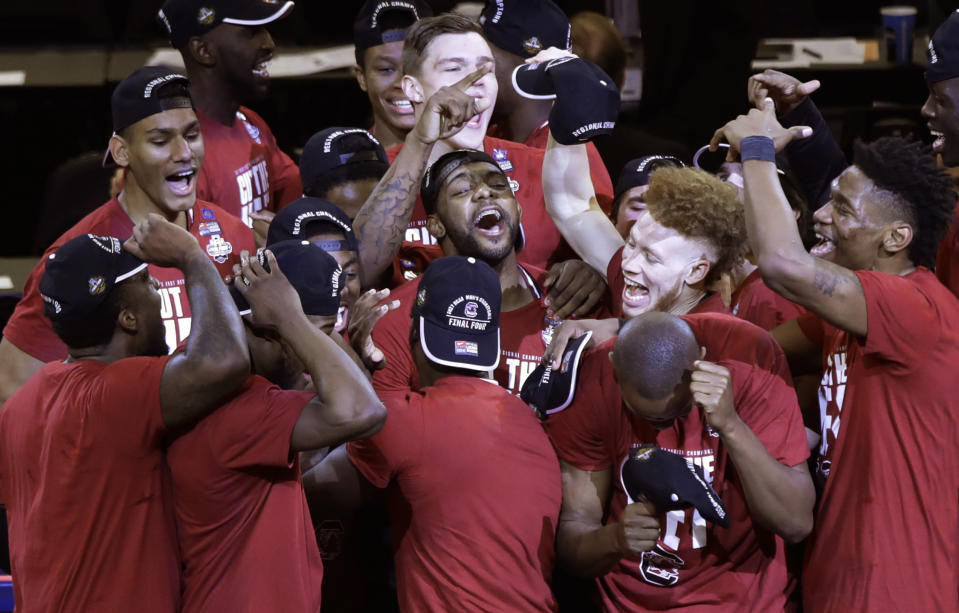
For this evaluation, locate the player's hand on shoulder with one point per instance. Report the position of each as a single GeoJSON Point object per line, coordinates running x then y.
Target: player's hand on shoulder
{"type": "Point", "coordinates": [271, 297]}
{"type": "Point", "coordinates": [162, 243]}
{"type": "Point", "coordinates": [712, 389]}
{"type": "Point", "coordinates": [637, 530]}
{"type": "Point", "coordinates": [364, 314]}
{"type": "Point", "coordinates": [574, 288]}
{"type": "Point", "coordinates": [787, 91]}
{"type": "Point", "coordinates": [602, 329]}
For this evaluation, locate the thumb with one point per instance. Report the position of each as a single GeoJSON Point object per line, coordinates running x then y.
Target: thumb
{"type": "Point", "coordinates": [809, 87]}
{"type": "Point", "coordinates": [800, 132]}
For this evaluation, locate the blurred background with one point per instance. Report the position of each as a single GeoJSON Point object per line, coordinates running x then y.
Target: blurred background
{"type": "Point", "coordinates": [688, 64]}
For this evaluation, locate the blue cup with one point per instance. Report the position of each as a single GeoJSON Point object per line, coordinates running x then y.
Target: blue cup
{"type": "Point", "coordinates": [898, 23]}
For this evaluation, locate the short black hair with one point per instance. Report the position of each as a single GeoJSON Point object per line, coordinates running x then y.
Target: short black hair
{"type": "Point", "coordinates": [96, 329]}
{"type": "Point", "coordinates": [920, 191]}
{"type": "Point", "coordinates": [358, 171]}
{"type": "Point", "coordinates": [653, 352]}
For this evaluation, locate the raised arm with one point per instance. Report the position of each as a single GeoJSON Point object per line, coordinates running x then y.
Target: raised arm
{"type": "Point", "coordinates": [380, 225]}
{"type": "Point", "coordinates": [345, 407]}
{"type": "Point", "coordinates": [829, 290]}
{"type": "Point", "coordinates": [779, 497]}
{"type": "Point", "coordinates": [215, 360]}
{"type": "Point", "coordinates": [583, 544]}
{"type": "Point", "coordinates": [571, 202]}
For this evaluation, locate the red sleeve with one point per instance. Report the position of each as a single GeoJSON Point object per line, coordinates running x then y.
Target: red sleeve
{"type": "Point", "coordinates": [395, 447]}
{"type": "Point", "coordinates": [28, 328]}
{"type": "Point", "coordinates": [391, 335]}
{"type": "Point", "coordinates": [902, 318]}
{"type": "Point", "coordinates": [813, 327]}
{"type": "Point", "coordinates": [254, 428]}
{"type": "Point", "coordinates": [601, 181]}
{"type": "Point", "coordinates": [614, 278]}
{"type": "Point", "coordinates": [128, 394]}
{"type": "Point", "coordinates": [766, 402]}
{"type": "Point", "coordinates": [579, 433]}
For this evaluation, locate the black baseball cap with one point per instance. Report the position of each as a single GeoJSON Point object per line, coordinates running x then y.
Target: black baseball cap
{"type": "Point", "coordinates": [80, 275]}
{"type": "Point", "coordinates": [144, 92]}
{"type": "Point", "coordinates": [636, 172]}
{"type": "Point", "coordinates": [369, 29]}
{"type": "Point", "coordinates": [525, 27]}
{"type": "Point", "coordinates": [458, 305]}
{"type": "Point", "coordinates": [312, 272]}
{"type": "Point", "coordinates": [586, 99]}
{"type": "Point", "coordinates": [184, 19]}
{"type": "Point", "coordinates": [942, 56]}
{"type": "Point", "coordinates": [336, 147]}
{"type": "Point", "coordinates": [296, 220]}
{"type": "Point", "coordinates": [550, 391]}
{"type": "Point", "coordinates": [671, 482]}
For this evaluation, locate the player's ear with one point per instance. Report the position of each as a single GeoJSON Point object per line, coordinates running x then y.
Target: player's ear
{"type": "Point", "coordinates": [697, 271]}
{"type": "Point", "coordinates": [897, 236]}
{"type": "Point", "coordinates": [202, 51]}
{"type": "Point", "coordinates": [360, 77]}
{"type": "Point", "coordinates": [119, 151]}
{"type": "Point", "coordinates": [412, 89]}
{"type": "Point", "coordinates": [436, 227]}
{"type": "Point", "coordinates": [127, 320]}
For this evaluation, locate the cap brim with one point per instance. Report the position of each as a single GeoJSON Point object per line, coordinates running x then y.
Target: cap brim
{"type": "Point", "coordinates": [569, 368]}
{"type": "Point", "coordinates": [266, 16]}
{"type": "Point", "coordinates": [531, 81]}
{"type": "Point", "coordinates": [241, 304]}
{"type": "Point", "coordinates": [438, 344]}
{"type": "Point", "coordinates": [133, 265]}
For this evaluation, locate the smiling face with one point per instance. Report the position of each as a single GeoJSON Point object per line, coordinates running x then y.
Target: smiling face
{"type": "Point", "coordinates": [941, 112]}
{"type": "Point", "coordinates": [163, 153]}
{"type": "Point", "coordinates": [447, 59]}
{"type": "Point", "coordinates": [632, 204]}
{"type": "Point", "coordinates": [242, 56]}
{"type": "Point", "coordinates": [477, 212]}
{"type": "Point", "coordinates": [380, 77]}
{"type": "Point", "coordinates": [850, 226]}
{"type": "Point", "coordinates": [660, 265]}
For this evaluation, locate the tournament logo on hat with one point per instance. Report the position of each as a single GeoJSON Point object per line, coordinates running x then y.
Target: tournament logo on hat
{"type": "Point", "coordinates": [458, 303]}
{"type": "Point", "coordinates": [525, 27]}
{"type": "Point", "coordinates": [205, 15]}
{"type": "Point", "coordinates": [184, 19]}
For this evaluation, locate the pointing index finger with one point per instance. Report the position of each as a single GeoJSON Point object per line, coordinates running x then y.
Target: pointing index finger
{"type": "Point", "coordinates": [466, 82]}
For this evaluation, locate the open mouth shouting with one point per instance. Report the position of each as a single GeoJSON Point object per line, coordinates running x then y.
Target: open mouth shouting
{"type": "Point", "coordinates": [182, 183]}
{"type": "Point", "coordinates": [262, 69]}
{"type": "Point", "coordinates": [939, 141]}
{"type": "Point", "coordinates": [400, 106]}
{"type": "Point", "coordinates": [823, 247]}
{"type": "Point", "coordinates": [635, 295]}
{"type": "Point", "coordinates": [490, 222]}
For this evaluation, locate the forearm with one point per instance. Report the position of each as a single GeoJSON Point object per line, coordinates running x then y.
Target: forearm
{"type": "Point", "coordinates": [342, 387]}
{"type": "Point", "coordinates": [335, 486]}
{"type": "Point", "coordinates": [571, 202]}
{"type": "Point", "coordinates": [216, 338]}
{"type": "Point", "coordinates": [381, 223]}
{"type": "Point", "coordinates": [585, 549]}
{"type": "Point", "coordinates": [773, 236]}
{"type": "Point", "coordinates": [779, 497]}
{"type": "Point", "coordinates": [816, 160]}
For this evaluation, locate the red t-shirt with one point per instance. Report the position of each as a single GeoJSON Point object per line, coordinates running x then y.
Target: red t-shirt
{"type": "Point", "coordinates": [474, 497]}
{"type": "Point", "coordinates": [712, 303]}
{"type": "Point", "coordinates": [244, 528]}
{"type": "Point", "coordinates": [754, 302]}
{"type": "Point", "coordinates": [244, 170]}
{"type": "Point", "coordinates": [524, 335]}
{"type": "Point", "coordinates": [886, 535]}
{"type": "Point", "coordinates": [698, 566]}
{"type": "Point", "coordinates": [947, 260]}
{"type": "Point", "coordinates": [524, 167]}
{"type": "Point", "coordinates": [83, 478]}
{"type": "Point", "coordinates": [220, 234]}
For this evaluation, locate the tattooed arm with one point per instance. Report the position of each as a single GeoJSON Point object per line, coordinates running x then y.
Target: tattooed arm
{"type": "Point", "coordinates": [381, 224]}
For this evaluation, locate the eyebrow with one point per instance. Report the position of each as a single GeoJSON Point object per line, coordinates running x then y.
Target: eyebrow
{"type": "Point", "coordinates": [463, 61]}
{"type": "Point", "coordinates": [190, 126]}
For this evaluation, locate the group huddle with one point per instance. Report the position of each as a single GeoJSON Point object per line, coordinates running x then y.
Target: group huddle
{"type": "Point", "coordinates": [714, 386]}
